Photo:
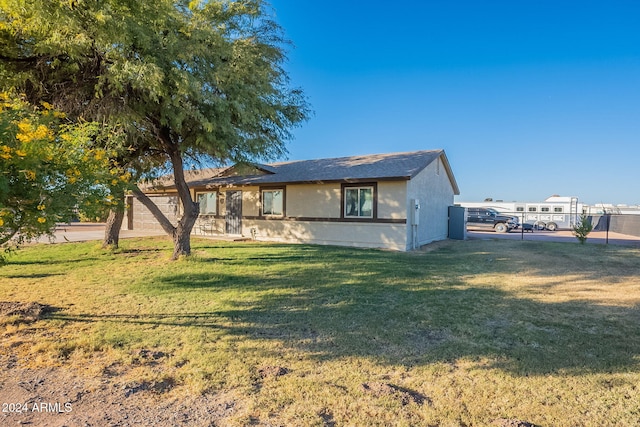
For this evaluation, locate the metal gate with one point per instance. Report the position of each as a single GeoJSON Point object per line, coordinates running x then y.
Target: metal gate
{"type": "Point", "coordinates": [233, 212]}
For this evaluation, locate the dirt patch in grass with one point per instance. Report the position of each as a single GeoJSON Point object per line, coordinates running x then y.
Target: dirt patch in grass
{"type": "Point", "coordinates": [22, 312]}
{"type": "Point", "coordinates": [404, 395]}
{"type": "Point", "coordinates": [273, 371]}
{"type": "Point", "coordinates": [57, 397]}
{"type": "Point", "coordinates": [69, 395]}
{"type": "Point", "coordinates": [512, 423]}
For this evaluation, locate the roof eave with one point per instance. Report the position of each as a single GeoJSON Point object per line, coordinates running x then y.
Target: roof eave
{"type": "Point", "coordinates": [258, 182]}
{"type": "Point", "coordinates": [452, 179]}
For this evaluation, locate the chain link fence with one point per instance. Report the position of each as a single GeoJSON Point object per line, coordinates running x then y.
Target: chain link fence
{"type": "Point", "coordinates": [552, 226]}
{"type": "Point", "coordinates": [617, 223]}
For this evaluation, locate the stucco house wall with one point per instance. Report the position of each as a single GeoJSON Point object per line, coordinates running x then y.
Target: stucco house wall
{"type": "Point", "coordinates": [312, 215]}
{"type": "Point", "coordinates": [314, 205]}
{"type": "Point", "coordinates": [433, 188]}
{"type": "Point", "coordinates": [313, 200]}
{"type": "Point", "coordinates": [366, 235]}
{"type": "Point", "coordinates": [392, 196]}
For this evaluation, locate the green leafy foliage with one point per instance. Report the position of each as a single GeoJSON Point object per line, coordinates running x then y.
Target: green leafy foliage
{"type": "Point", "coordinates": [49, 171]}
{"type": "Point", "coordinates": [209, 74]}
{"type": "Point", "coordinates": [202, 79]}
{"type": "Point", "coordinates": [582, 228]}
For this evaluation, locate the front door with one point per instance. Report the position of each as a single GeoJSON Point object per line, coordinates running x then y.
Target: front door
{"type": "Point", "coordinates": [233, 212]}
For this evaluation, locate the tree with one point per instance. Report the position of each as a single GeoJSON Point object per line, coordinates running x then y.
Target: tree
{"type": "Point", "coordinates": [184, 79]}
{"type": "Point", "coordinates": [48, 170]}
{"type": "Point", "coordinates": [582, 229]}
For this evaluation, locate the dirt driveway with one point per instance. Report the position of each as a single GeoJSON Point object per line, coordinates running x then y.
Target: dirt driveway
{"type": "Point", "coordinates": [597, 237]}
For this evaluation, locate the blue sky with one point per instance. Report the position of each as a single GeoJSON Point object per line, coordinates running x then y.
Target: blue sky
{"type": "Point", "coordinates": [528, 98]}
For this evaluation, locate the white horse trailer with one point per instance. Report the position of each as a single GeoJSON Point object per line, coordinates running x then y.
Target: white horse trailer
{"type": "Point", "coordinates": [554, 213]}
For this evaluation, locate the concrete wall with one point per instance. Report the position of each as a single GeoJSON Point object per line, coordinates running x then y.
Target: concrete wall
{"type": "Point", "coordinates": [250, 201]}
{"type": "Point", "coordinates": [435, 192]}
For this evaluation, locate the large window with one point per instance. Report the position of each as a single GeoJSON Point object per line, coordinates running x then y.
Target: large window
{"type": "Point", "coordinates": [273, 202]}
{"type": "Point", "coordinates": [358, 202]}
{"type": "Point", "coordinates": [208, 203]}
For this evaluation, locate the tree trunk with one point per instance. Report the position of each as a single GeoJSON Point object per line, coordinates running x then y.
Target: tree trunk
{"type": "Point", "coordinates": [181, 234]}
{"type": "Point", "coordinates": [113, 225]}
{"type": "Point", "coordinates": [182, 238]}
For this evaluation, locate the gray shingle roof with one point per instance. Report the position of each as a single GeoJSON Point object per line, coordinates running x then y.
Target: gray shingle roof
{"type": "Point", "coordinates": [390, 166]}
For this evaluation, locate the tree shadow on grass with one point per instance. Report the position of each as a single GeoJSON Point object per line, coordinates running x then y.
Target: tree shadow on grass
{"type": "Point", "coordinates": [400, 309]}
{"type": "Point", "coordinates": [33, 275]}
{"type": "Point", "coordinates": [416, 327]}
{"type": "Point", "coordinates": [47, 262]}
{"type": "Point", "coordinates": [203, 319]}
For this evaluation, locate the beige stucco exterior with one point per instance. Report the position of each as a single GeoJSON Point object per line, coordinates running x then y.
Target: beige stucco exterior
{"type": "Point", "coordinates": [392, 196]}
{"type": "Point", "coordinates": [432, 187]}
{"type": "Point", "coordinates": [313, 200]}
{"type": "Point", "coordinates": [389, 236]}
{"type": "Point", "coordinates": [313, 212]}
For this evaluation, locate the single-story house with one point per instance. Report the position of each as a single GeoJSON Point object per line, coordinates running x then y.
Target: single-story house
{"type": "Point", "coordinates": [396, 201]}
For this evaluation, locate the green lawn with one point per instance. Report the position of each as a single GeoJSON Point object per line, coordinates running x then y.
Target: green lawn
{"type": "Point", "coordinates": [464, 334]}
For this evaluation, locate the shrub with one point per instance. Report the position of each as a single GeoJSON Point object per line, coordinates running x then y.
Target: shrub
{"type": "Point", "coordinates": [582, 228]}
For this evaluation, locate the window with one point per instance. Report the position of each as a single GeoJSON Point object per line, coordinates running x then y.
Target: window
{"type": "Point", "coordinates": [273, 202]}
{"type": "Point", "coordinates": [558, 209]}
{"type": "Point", "coordinates": [545, 209]}
{"type": "Point", "coordinates": [208, 203]}
{"type": "Point", "coordinates": [519, 208]}
{"type": "Point", "coordinates": [358, 202]}
{"type": "Point", "coordinates": [533, 209]}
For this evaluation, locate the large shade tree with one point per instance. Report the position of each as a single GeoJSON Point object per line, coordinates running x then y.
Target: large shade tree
{"type": "Point", "coordinates": [183, 79]}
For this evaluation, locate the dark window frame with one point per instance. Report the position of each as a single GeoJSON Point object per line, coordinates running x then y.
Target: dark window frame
{"type": "Point", "coordinates": [374, 208]}
{"type": "Point", "coordinates": [217, 201]}
{"type": "Point", "coordinates": [284, 202]}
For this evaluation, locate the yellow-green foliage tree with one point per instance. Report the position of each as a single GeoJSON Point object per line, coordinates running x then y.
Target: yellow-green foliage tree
{"type": "Point", "coordinates": [49, 171]}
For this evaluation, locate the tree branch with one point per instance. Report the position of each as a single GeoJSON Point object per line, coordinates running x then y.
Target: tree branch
{"type": "Point", "coordinates": [155, 211]}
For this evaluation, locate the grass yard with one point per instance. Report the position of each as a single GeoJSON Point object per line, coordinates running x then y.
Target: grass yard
{"type": "Point", "coordinates": [471, 333]}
